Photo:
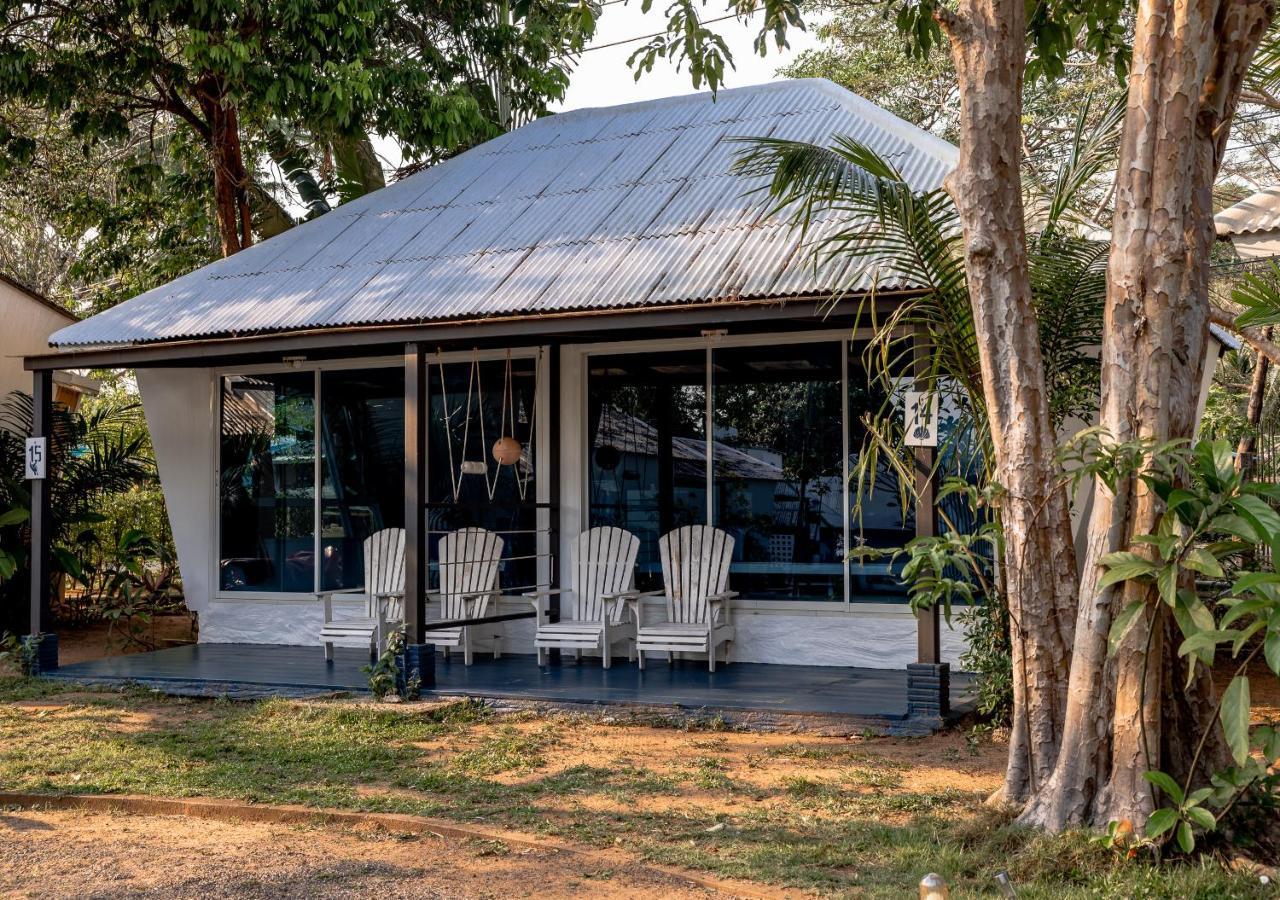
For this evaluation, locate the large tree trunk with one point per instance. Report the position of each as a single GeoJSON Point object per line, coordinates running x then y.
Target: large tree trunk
{"type": "Point", "coordinates": [1189, 60]}
{"type": "Point", "coordinates": [988, 45]}
{"type": "Point", "coordinates": [230, 179]}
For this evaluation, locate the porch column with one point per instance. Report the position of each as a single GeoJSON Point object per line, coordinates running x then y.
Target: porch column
{"type": "Point", "coordinates": [415, 486]}
{"type": "Point", "coordinates": [38, 473]}
{"type": "Point", "coordinates": [928, 631]}
{"type": "Point", "coordinates": [928, 678]}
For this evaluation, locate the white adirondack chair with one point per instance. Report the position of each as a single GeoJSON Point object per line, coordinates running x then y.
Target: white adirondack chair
{"type": "Point", "coordinates": [695, 575]}
{"type": "Point", "coordinates": [383, 592]}
{"type": "Point", "coordinates": [604, 579]}
{"type": "Point", "coordinates": [469, 559]}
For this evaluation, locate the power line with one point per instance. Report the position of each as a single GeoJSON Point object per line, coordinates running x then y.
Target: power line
{"type": "Point", "coordinates": [649, 37]}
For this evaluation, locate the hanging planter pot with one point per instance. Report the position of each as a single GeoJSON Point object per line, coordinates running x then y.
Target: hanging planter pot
{"type": "Point", "coordinates": [506, 451]}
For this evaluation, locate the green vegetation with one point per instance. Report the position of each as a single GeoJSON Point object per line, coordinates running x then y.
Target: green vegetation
{"type": "Point", "coordinates": [848, 822]}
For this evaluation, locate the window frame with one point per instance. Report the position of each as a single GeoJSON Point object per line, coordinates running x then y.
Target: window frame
{"type": "Point", "coordinates": [316, 367]}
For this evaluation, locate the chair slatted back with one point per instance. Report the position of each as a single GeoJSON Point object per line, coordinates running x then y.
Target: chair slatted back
{"type": "Point", "coordinates": [469, 560]}
{"type": "Point", "coordinates": [695, 565]}
{"type": "Point", "coordinates": [383, 566]}
{"type": "Point", "coordinates": [605, 564]}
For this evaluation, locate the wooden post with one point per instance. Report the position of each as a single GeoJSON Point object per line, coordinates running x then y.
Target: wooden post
{"type": "Point", "coordinates": [415, 485]}
{"type": "Point", "coordinates": [41, 615]}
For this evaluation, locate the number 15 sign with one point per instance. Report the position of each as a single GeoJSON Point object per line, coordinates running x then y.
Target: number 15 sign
{"type": "Point", "coordinates": [37, 462]}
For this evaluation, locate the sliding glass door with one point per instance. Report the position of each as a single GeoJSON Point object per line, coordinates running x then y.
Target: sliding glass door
{"type": "Point", "coordinates": [759, 440]}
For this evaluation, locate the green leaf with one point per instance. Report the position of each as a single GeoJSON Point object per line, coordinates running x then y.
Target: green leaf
{"type": "Point", "coordinates": [1122, 623]}
{"type": "Point", "coordinates": [1204, 640]}
{"type": "Point", "coordinates": [1201, 817]}
{"type": "Point", "coordinates": [1193, 618]}
{"type": "Point", "coordinates": [1259, 513]}
{"type": "Point", "coordinates": [1235, 717]}
{"type": "Point", "coordinates": [1167, 584]}
{"type": "Point", "coordinates": [1246, 608]}
{"type": "Point", "coordinates": [1161, 821]}
{"type": "Point", "coordinates": [1271, 650]}
{"type": "Point", "coordinates": [15, 516]}
{"type": "Point", "coordinates": [1201, 560]}
{"type": "Point", "coordinates": [1167, 784]}
{"type": "Point", "coordinates": [1186, 840]}
{"type": "Point", "coordinates": [1237, 526]}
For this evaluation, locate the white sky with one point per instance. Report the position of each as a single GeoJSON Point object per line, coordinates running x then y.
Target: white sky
{"type": "Point", "coordinates": [604, 79]}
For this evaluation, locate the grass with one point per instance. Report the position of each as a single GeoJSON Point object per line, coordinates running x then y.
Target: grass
{"type": "Point", "coordinates": [840, 818]}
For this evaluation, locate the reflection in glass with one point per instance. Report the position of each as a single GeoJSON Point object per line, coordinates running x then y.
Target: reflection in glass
{"type": "Point", "coordinates": [362, 488]}
{"type": "Point", "coordinates": [267, 483]}
{"type": "Point", "coordinates": [472, 407]}
{"type": "Point", "coordinates": [778, 414]}
{"type": "Point", "coordinates": [880, 521]}
{"type": "Point", "coordinates": [646, 417]}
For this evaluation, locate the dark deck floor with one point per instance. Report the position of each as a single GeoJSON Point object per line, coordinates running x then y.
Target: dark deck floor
{"type": "Point", "coordinates": [249, 669]}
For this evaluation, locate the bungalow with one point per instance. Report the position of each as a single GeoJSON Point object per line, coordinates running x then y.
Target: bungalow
{"type": "Point", "coordinates": [597, 287]}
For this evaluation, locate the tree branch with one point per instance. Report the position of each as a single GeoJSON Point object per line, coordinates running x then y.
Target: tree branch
{"type": "Point", "coordinates": [1221, 314]}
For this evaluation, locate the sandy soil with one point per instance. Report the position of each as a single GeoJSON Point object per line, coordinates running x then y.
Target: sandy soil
{"type": "Point", "coordinates": [117, 856]}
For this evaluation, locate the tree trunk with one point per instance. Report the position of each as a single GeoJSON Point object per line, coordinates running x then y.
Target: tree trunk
{"type": "Point", "coordinates": [230, 179]}
{"type": "Point", "coordinates": [1189, 61]}
{"type": "Point", "coordinates": [1253, 408]}
{"type": "Point", "coordinates": [988, 46]}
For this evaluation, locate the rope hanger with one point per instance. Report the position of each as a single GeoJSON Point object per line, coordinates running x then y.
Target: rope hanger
{"type": "Point", "coordinates": [505, 445]}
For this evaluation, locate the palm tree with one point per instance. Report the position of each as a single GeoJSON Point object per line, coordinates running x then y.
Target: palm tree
{"type": "Point", "coordinates": [92, 455]}
{"type": "Point", "coordinates": [861, 211]}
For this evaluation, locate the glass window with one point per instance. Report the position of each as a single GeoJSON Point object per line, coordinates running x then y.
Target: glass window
{"type": "Point", "coordinates": [267, 483]}
{"type": "Point", "coordinates": [778, 451]}
{"type": "Point", "coordinates": [473, 408]}
{"type": "Point", "coordinates": [362, 487]}
{"type": "Point", "coordinates": [877, 517]}
{"type": "Point", "coordinates": [646, 422]}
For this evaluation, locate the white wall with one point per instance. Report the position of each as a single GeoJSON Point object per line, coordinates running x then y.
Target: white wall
{"type": "Point", "coordinates": [181, 414]}
{"type": "Point", "coordinates": [27, 326]}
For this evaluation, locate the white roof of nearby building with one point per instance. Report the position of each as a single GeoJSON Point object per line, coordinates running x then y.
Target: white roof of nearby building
{"type": "Point", "coordinates": [1259, 212]}
{"type": "Point", "coordinates": [611, 208]}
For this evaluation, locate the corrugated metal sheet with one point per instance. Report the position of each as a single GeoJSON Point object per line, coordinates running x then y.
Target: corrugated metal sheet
{"type": "Point", "coordinates": [1260, 212]}
{"type": "Point", "coordinates": [619, 207]}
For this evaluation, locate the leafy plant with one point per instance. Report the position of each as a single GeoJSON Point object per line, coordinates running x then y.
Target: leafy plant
{"type": "Point", "coordinates": [385, 677]}
{"type": "Point", "coordinates": [1211, 515]}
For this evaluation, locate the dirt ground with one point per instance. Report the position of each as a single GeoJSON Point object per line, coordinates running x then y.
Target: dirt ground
{"type": "Point", "coordinates": [118, 856]}
{"type": "Point", "coordinates": [97, 640]}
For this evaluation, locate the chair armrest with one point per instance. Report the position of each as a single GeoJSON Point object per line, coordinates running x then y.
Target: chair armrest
{"type": "Point", "coordinates": [720, 603]}
{"type": "Point", "coordinates": [632, 595]}
{"type": "Point", "coordinates": [326, 597]}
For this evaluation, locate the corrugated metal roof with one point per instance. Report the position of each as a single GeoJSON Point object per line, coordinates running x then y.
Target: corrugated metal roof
{"type": "Point", "coordinates": [618, 207]}
{"type": "Point", "coordinates": [1259, 212]}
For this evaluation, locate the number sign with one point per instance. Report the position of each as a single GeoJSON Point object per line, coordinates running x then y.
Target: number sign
{"type": "Point", "coordinates": [37, 461]}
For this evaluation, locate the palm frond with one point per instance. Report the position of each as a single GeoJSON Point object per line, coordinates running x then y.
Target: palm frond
{"type": "Point", "coordinates": [1259, 294]}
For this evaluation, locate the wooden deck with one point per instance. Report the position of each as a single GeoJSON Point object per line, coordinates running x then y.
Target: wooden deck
{"type": "Point", "coordinates": [246, 670]}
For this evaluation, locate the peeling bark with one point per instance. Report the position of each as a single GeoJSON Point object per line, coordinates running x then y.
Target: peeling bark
{"type": "Point", "coordinates": [1189, 62]}
{"type": "Point", "coordinates": [988, 47]}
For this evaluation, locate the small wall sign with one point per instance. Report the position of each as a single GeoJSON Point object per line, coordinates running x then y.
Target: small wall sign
{"type": "Point", "coordinates": [37, 461]}
{"type": "Point", "coordinates": [920, 419]}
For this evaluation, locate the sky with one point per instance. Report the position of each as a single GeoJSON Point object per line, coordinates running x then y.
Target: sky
{"type": "Point", "coordinates": [603, 78]}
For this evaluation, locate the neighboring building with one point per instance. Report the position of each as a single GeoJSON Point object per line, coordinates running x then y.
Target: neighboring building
{"type": "Point", "coordinates": [1252, 225]}
{"type": "Point", "coordinates": [28, 320]}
